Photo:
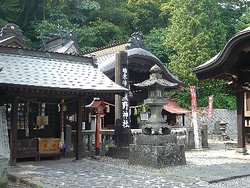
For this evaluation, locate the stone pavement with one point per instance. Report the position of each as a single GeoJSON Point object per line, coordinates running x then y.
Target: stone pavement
{"type": "Point", "coordinates": [204, 169]}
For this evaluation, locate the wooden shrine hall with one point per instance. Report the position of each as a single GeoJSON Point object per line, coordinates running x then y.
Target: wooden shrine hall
{"type": "Point", "coordinates": [37, 87]}
{"type": "Point", "coordinates": [232, 65]}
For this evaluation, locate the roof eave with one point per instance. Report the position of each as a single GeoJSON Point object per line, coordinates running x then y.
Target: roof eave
{"type": "Point", "coordinates": [206, 70]}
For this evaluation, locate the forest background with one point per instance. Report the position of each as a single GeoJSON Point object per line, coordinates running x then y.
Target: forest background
{"type": "Point", "coordinates": [182, 33]}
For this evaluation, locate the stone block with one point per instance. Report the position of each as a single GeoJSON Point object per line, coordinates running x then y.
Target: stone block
{"type": "Point", "coordinates": [157, 156]}
{"type": "Point", "coordinates": [155, 140]}
{"type": "Point", "coordinates": [3, 172]}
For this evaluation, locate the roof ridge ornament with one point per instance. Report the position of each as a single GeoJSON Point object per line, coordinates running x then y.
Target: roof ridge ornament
{"type": "Point", "coordinates": [136, 40]}
{"type": "Point", "coordinates": [11, 29]}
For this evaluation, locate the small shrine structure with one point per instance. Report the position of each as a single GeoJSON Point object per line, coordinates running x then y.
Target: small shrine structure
{"type": "Point", "coordinates": [40, 91]}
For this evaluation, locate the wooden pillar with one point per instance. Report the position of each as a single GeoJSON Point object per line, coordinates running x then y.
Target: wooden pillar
{"type": "Point", "coordinates": [97, 134]}
{"type": "Point", "coordinates": [183, 120]}
{"type": "Point", "coordinates": [241, 123]}
{"type": "Point", "coordinates": [13, 132]}
{"type": "Point", "coordinates": [79, 137]}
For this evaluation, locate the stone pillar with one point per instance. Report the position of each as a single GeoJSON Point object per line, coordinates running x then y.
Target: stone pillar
{"type": "Point", "coordinates": [3, 172]}
{"type": "Point", "coordinates": [118, 98]}
{"type": "Point", "coordinates": [122, 118]}
{"type": "Point", "coordinates": [241, 124]}
{"type": "Point", "coordinates": [4, 147]}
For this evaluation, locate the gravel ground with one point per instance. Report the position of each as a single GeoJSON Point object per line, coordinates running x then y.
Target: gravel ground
{"type": "Point", "coordinates": [12, 184]}
{"type": "Point", "coordinates": [216, 155]}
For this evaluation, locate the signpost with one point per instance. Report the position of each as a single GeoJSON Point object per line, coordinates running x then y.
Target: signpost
{"type": "Point", "coordinates": [197, 130]}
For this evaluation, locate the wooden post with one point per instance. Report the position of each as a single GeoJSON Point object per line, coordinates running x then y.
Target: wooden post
{"type": "Point", "coordinates": [183, 120]}
{"type": "Point", "coordinates": [241, 124]}
{"type": "Point", "coordinates": [13, 132]}
{"type": "Point", "coordinates": [79, 137]}
{"type": "Point", "coordinates": [97, 135]}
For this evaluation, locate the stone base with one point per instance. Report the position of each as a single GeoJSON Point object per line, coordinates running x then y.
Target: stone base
{"type": "Point", "coordinates": [157, 156]}
{"type": "Point", "coordinates": [118, 152]}
{"type": "Point", "coordinates": [241, 150]}
{"type": "Point", "coordinates": [230, 145]}
{"type": "Point", "coordinates": [3, 172]}
{"type": "Point", "coordinates": [155, 140]}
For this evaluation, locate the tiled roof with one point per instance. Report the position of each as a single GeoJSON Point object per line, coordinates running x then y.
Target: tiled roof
{"type": "Point", "coordinates": [106, 62]}
{"type": "Point", "coordinates": [135, 48]}
{"type": "Point", "coordinates": [172, 107]}
{"type": "Point", "coordinates": [50, 73]}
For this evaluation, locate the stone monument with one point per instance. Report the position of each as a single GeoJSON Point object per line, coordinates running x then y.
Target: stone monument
{"type": "Point", "coordinates": [156, 147]}
{"type": "Point", "coordinates": [4, 147]}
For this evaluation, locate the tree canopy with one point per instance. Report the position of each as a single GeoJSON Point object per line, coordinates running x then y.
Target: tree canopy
{"type": "Point", "coordinates": [182, 33]}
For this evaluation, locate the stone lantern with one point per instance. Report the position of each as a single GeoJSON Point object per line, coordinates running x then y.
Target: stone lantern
{"type": "Point", "coordinates": [156, 86]}
{"type": "Point", "coordinates": [156, 147]}
{"type": "Point", "coordinates": [98, 108]}
{"type": "Point", "coordinates": [223, 128]}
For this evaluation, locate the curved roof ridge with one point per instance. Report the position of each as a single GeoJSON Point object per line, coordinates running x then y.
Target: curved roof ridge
{"type": "Point", "coordinates": [224, 52]}
{"type": "Point", "coordinates": [105, 47]}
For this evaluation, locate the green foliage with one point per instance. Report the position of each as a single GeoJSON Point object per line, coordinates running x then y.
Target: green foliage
{"type": "Point", "coordinates": [231, 11]}
{"type": "Point", "coordinates": [244, 20]}
{"type": "Point", "coordinates": [199, 29]}
{"type": "Point", "coordinates": [221, 96]}
{"type": "Point", "coordinates": [147, 12]}
{"type": "Point", "coordinates": [154, 41]}
{"type": "Point", "coordinates": [9, 11]}
{"type": "Point", "coordinates": [197, 32]}
{"type": "Point", "coordinates": [195, 35]}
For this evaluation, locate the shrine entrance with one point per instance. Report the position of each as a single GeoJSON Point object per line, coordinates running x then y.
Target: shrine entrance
{"type": "Point", "coordinates": [232, 66]}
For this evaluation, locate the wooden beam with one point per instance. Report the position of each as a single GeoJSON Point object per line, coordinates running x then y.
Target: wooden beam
{"type": "Point", "coordinates": [79, 137]}
{"type": "Point", "coordinates": [13, 132]}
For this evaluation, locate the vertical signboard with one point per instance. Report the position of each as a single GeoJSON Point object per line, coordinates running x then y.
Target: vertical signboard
{"type": "Point", "coordinates": [125, 99]}
{"type": "Point", "coordinates": [4, 139]}
{"type": "Point", "coordinates": [197, 131]}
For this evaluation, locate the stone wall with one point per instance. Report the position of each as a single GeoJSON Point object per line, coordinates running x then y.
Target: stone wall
{"type": "Point", "coordinates": [230, 116]}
